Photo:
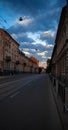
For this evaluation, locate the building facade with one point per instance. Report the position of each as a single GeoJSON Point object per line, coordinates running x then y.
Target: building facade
{"type": "Point", "coordinates": [9, 52]}
{"type": "Point", "coordinates": [35, 64]}
{"type": "Point", "coordinates": [59, 60]}
{"type": "Point", "coordinates": [12, 60]}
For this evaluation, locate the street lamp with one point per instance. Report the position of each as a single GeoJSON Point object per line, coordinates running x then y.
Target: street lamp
{"type": "Point", "coordinates": [20, 19]}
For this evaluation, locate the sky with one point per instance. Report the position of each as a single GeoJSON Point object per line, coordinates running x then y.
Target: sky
{"type": "Point", "coordinates": [36, 32]}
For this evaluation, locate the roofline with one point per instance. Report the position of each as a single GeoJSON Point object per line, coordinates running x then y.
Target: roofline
{"type": "Point", "coordinates": [59, 26]}
{"type": "Point", "coordinates": [9, 35]}
{"type": "Point", "coordinates": [63, 13]}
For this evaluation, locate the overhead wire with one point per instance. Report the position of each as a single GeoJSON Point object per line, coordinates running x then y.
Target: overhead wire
{"type": "Point", "coordinates": [4, 20]}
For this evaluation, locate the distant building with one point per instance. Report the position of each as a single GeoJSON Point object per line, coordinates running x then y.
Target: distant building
{"type": "Point", "coordinates": [35, 64]}
{"type": "Point", "coordinates": [42, 70]}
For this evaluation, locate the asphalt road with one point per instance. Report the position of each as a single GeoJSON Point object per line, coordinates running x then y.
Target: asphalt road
{"type": "Point", "coordinates": [27, 103]}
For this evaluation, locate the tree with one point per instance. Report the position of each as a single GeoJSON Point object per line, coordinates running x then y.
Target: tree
{"type": "Point", "coordinates": [48, 69]}
{"type": "Point", "coordinates": [48, 62]}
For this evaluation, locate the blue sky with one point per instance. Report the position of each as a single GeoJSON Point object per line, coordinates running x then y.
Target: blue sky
{"type": "Point", "coordinates": [37, 31]}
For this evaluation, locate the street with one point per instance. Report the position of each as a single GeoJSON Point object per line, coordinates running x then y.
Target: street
{"type": "Point", "coordinates": [27, 103]}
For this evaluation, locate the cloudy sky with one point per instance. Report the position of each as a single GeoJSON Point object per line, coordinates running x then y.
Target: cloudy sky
{"type": "Point", "coordinates": [37, 31]}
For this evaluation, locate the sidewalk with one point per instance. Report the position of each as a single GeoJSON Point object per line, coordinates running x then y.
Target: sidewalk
{"type": "Point", "coordinates": [63, 115]}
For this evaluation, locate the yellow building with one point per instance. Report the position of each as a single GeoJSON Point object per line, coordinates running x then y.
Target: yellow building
{"type": "Point", "coordinates": [10, 50]}
{"type": "Point", "coordinates": [12, 60]}
{"type": "Point", "coordinates": [35, 64]}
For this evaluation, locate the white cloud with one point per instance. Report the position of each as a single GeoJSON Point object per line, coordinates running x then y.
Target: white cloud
{"type": "Point", "coordinates": [25, 49]}
{"type": "Point", "coordinates": [49, 46]}
{"type": "Point", "coordinates": [42, 53]}
{"type": "Point", "coordinates": [19, 35]}
{"type": "Point", "coordinates": [44, 57]}
{"type": "Point", "coordinates": [34, 36]}
{"type": "Point", "coordinates": [33, 50]}
{"type": "Point", "coordinates": [43, 64]}
{"type": "Point", "coordinates": [14, 36]}
{"type": "Point", "coordinates": [49, 33]}
{"type": "Point", "coordinates": [37, 40]}
{"type": "Point", "coordinates": [27, 53]}
{"type": "Point", "coordinates": [32, 47]}
{"type": "Point", "coordinates": [24, 43]}
{"type": "Point", "coordinates": [25, 21]}
{"type": "Point", "coordinates": [49, 57]}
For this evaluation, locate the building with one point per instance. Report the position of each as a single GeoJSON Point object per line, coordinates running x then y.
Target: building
{"type": "Point", "coordinates": [1, 53]}
{"type": "Point", "coordinates": [42, 70]}
{"type": "Point", "coordinates": [27, 65]}
{"type": "Point", "coordinates": [9, 52]}
{"type": "Point", "coordinates": [59, 60]}
{"type": "Point", "coordinates": [12, 60]}
{"type": "Point", "coordinates": [35, 64]}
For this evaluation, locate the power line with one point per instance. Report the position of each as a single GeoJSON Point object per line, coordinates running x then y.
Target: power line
{"type": "Point", "coordinates": [4, 20]}
{"type": "Point", "coordinates": [2, 25]}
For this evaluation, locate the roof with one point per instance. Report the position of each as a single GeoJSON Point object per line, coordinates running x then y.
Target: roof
{"type": "Point", "coordinates": [62, 17]}
{"type": "Point", "coordinates": [9, 35]}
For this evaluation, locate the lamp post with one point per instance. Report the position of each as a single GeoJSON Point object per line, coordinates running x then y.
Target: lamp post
{"type": "Point", "coordinates": [20, 19]}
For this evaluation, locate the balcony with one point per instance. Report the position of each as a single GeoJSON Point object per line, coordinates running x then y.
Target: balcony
{"type": "Point", "coordinates": [8, 58]}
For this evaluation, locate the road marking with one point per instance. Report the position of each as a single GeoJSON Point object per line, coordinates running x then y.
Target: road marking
{"type": "Point", "coordinates": [11, 82]}
{"type": "Point", "coordinates": [17, 90]}
{"type": "Point", "coordinates": [14, 94]}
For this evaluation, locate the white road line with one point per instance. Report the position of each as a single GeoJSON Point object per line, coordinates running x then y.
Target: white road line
{"type": "Point", "coordinates": [11, 82]}
{"type": "Point", "coordinates": [14, 94]}
{"type": "Point", "coordinates": [17, 90]}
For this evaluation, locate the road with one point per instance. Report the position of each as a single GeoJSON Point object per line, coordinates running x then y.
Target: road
{"type": "Point", "coordinates": [27, 103]}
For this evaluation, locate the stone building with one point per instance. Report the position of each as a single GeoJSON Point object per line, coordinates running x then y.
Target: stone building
{"type": "Point", "coordinates": [12, 60]}
{"type": "Point", "coordinates": [59, 60]}
{"type": "Point", "coordinates": [26, 64]}
{"type": "Point", "coordinates": [35, 64]}
{"type": "Point", "coordinates": [1, 54]}
{"type": "Point", "coordinates": [9, 51]}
